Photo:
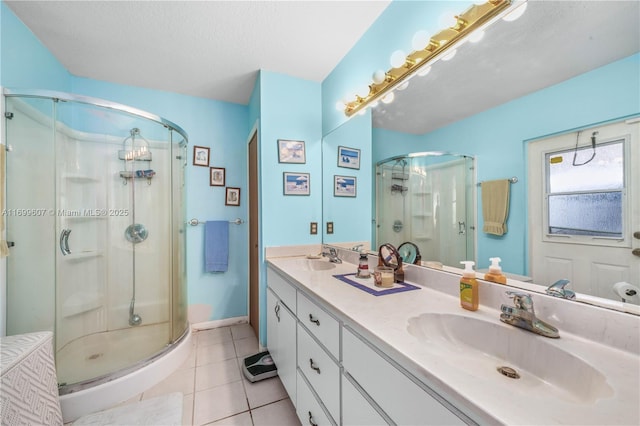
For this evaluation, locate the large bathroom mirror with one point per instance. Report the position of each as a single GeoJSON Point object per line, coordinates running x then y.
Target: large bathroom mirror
{"type": "Point", "coordinates": [575, 61]}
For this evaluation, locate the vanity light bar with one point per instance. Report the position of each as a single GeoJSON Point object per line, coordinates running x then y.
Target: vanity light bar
{"type": "Point", "coordinates": [467, 22]}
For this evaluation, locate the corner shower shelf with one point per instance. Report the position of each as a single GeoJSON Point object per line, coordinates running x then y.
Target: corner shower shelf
{"type": "Point", "coordinates": [80, 178]}
{"type": "Point", "coordinates": [126, 175]}
{"type": "Point", "coordinates": [400, 176]}
{"type": "Point", "coordinates": [80, 303]}
{"type": "Point", "coordinates": [134, 156]}
{"type": "Point", "coordinates": [83, 255]}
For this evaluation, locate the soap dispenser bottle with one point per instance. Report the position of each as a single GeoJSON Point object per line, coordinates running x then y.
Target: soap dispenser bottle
{"type": "Point", "coordinates": [469, 287]}
{"type": "Point", "coordinates": [495, 272]}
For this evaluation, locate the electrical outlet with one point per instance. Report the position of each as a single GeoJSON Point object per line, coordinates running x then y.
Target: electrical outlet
{"type": "Point", "coordinates": [329, 227]}
{"type": "Point", "coordinates": [313, 228]}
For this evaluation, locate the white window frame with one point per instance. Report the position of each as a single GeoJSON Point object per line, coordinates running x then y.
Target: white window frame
{"type": "Point", "coordinates": [625, 241]}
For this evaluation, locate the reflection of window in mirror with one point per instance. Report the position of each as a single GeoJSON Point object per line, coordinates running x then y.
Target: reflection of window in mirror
{"type": "Point", "coordinates": [585, 190]}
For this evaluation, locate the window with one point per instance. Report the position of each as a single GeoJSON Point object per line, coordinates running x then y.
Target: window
{"type": "Point", "coordinates": [585, 190]}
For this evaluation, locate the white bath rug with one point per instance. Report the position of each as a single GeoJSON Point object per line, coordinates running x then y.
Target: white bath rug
{"type": "Point", "coordinates": [164, 410]}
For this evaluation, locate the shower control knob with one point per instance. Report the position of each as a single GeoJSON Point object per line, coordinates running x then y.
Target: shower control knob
{"type": "Point", "coordinates": [636, 252]}
{"type": "Point", "coordinates": [636, 235]}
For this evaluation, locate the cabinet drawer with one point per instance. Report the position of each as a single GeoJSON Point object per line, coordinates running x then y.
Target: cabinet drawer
{"type": "Point", "coordinates": [321, 324]}
{"type": "Point", "coordinates": [320, 370]}
{"type": "Point", "coordinates": [308, 408]}
{"type": "Point", "coordinates": [356, 410]}
{"type": "Point", "coordinates": [285, 291]}
{"type": "Point", "coordinates": [399, 397]}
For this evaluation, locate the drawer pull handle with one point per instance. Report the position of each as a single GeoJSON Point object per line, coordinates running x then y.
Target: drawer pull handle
{"type": "Point", "coordinates": [277, 311]}
{"type": "Point", "coordinates": [314, 320]}
{"type": "Point", "coordinates": [311, 422]}
{"type": "Point", "coordinates": [313, 367]}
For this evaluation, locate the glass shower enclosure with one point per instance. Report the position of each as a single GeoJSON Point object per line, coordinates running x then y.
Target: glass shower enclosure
{"type": "Point", "coordinates": [95, 224]}
{"type": "Point", "coordinates": [427, 199]}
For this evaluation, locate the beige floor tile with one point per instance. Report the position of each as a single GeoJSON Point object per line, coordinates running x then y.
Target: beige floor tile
{"type": "Point", "coordinates": [281, 413]}
{"type": "Point", "coordinates": [215, 353]}
{"type": "Point", "coordinates": [242, 419]}
{"type": "Point", "coordinates": [246, 347]}
{"type": "Point", "coordinates": [187, 409]}
{"type": "Point", "coordinates": [242, 331]}
{"type": "Point", "coordinates": [213, 336]}
{"type": "Point", "coordinates": [216, 374]}
{"type": "Point", "coordinates": [178, 381]}
{"type": "Point", "coordinates": [264, 392]}
{"type": "Point", "coordinates": [218, 403]}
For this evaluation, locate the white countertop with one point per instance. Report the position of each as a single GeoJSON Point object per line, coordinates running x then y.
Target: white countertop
{"type": "Point", "coordinates": [488, 396]}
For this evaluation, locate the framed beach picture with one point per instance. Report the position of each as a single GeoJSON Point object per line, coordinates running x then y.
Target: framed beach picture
{"type": "Point", "coordinates": [200, 156]}
{"type": "Point", "coordinates": [296, 183]}
{"type": "Point", "coordinates": [344, 186]}
{"type": "Point", "coordinates": [232, 197]}
{"type": "Point", "coordinates": [348, 157]}
{"type": "Point", "coordinates": [216, 176]}
{"type": "Point", "coordinates": [291, 151]}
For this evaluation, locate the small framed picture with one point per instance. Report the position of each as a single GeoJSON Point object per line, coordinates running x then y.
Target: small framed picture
{"type": "Point", "coordinates": [291, 151]}
{"type": "Point", "coordinates": [232, 197]}
{"type": "Point", "coordinates": [348, 157]}
{"type": "Point", "coordinates": [296, 183]}
{"type": "Point", "coordinates": [200, 156]}
{"type": "Point", "coordinates": [216, 176]}
{"type": "Point", "coordinates": [344, 186]}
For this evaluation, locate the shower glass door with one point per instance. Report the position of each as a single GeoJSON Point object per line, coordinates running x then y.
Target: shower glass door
{"type": "Point", "coordinates": [95, 212]}
{"type": "Point", "coordinates": [428, 200]}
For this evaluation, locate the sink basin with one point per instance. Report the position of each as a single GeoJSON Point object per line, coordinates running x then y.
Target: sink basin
{"type": "Point", "coordinates": [481, 347]}
{"type": "Point", "coordinates": [310, 264]}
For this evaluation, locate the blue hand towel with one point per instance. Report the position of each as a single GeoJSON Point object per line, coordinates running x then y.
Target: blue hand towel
{"type": "Point", "coordinates": [216, 245]}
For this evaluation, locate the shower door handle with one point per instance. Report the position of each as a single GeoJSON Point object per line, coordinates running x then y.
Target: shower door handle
{"type": "Point", "coordinates": [64, 242]}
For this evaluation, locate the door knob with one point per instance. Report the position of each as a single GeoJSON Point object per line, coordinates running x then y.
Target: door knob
{"type": "Point", "coordinates": [636, 252]}
{"type": "Point", "coordinates": [636, 235]}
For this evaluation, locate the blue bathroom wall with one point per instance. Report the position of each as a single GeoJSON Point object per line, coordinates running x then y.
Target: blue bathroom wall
{"type": "Point", "coordinates": [393, 30]}
{"type": "Point", "coordinates": [497, 139]}
{"type": "Point", "coordinates": [290, 108]}
{"type": "Point", "coordinates": [224, 128]}
{"type": "Point", "coordinates": [25, 62]}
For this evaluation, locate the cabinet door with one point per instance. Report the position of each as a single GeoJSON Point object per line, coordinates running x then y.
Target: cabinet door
{"type": "Point", "coordinates": [356, 410]}
{"type": "Point", "coordinates": [281, 340]}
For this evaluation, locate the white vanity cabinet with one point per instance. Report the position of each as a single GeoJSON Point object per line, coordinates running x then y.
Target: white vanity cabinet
{"type": "Point", "coordinates": [281, 332]}
{"type": "Point", "coordinates": [397, 395]}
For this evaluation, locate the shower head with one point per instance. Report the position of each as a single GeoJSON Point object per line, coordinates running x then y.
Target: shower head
{"type": "Point", "coordinates": [134, 319]}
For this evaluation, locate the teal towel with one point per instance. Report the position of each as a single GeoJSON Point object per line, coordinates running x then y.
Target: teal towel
{"type": "Point", "coordinates": [216, 246]}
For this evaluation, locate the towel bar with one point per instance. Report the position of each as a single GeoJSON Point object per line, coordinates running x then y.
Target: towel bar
{"type": "Point", "coordinates": [511, 180]}
{"type": "Point", "coordinates": [195, 222]}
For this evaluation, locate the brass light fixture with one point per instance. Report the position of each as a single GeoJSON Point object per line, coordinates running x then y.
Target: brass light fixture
{"type": "Point", "coordinates": [474, 18]}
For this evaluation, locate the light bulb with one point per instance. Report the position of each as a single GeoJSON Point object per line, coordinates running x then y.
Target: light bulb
{"type": "Point", "coordinates": [517, 12]}
{"type": "Point", "coordinates": [424, 71]}
{"type": "Point", "coordinates": [388, 98]}
{"type": "Point", "coordinates": [398, 58]}
{"type": "Point", "coordinates": [447, 20]}
{"type": "Point", "coordinates": [420, 40]}
{"type": "Point", "coordinates": [363, 91]}
{"type": "Point", "coordinates": [403, 85]}
{"type": "Point", "coordinates": [363, 111]}
{"type": "Point", "coordinates": [449, 55]}
{"type": "Point", "coordinates": [379, 76]}
{"type": "Point", "coordinates": [373, 104]}
{"type": "Point", "coordinates": [476, 36]}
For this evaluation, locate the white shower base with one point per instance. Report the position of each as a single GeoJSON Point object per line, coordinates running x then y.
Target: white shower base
{"type": "Point", "coordinates": [83, 356]}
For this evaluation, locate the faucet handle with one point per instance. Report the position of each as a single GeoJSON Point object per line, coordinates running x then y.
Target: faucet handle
{"type": "Point", "coordinates": [521, 300]}
{"type": "Point", "coordinates": [558, 289]}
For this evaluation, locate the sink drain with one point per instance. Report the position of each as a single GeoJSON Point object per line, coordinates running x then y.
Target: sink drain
{"type": "Point", "coordinates": [509, 372]}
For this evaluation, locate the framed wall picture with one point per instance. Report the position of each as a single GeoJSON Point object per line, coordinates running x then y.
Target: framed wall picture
{"type": "Point", "coordinates": [344, 186]}
{"type": "Point", "coordinates": [348, 157]}
{"type": "Point", "coordinates": [296, 183]}
{"type": "Point", "coordinates": [200, 156]}
{"type": "Point", "coordinates": [291, 151]}
{"type": "Point", "coordinates": [216, 176]}
{"type": "Point", "coordinates": [232, 197]}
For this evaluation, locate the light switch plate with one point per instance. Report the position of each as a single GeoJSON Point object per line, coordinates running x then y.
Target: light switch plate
{"type": "Point", "coordinates": [313, 228]}
{"type": "Point", "coordinates": [329, 227]}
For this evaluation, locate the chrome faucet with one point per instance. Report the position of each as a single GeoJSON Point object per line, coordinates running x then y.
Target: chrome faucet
{"type": "Point", "coordinates": [557, 289]}
{"type": "Point", "coordinates": [357, 247]}
{"type": "Point", "coordinates": [523, 315]}
{"type": "Point", "coordinates": [332, 255]}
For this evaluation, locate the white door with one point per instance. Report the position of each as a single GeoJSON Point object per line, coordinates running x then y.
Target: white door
{"type": "Point", "coordinates": [584, 209]}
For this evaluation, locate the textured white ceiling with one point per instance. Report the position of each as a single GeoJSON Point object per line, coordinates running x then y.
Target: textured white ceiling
{"type": "Point", "coordinates": [209, 49]}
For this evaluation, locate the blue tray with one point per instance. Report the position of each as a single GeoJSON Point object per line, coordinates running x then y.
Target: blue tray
{"type": "Point", "coordinates": [404, 286]}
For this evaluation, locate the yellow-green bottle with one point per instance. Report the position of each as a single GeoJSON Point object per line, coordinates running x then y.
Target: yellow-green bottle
{"type": "Point", "coordinates": [469, 287]}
